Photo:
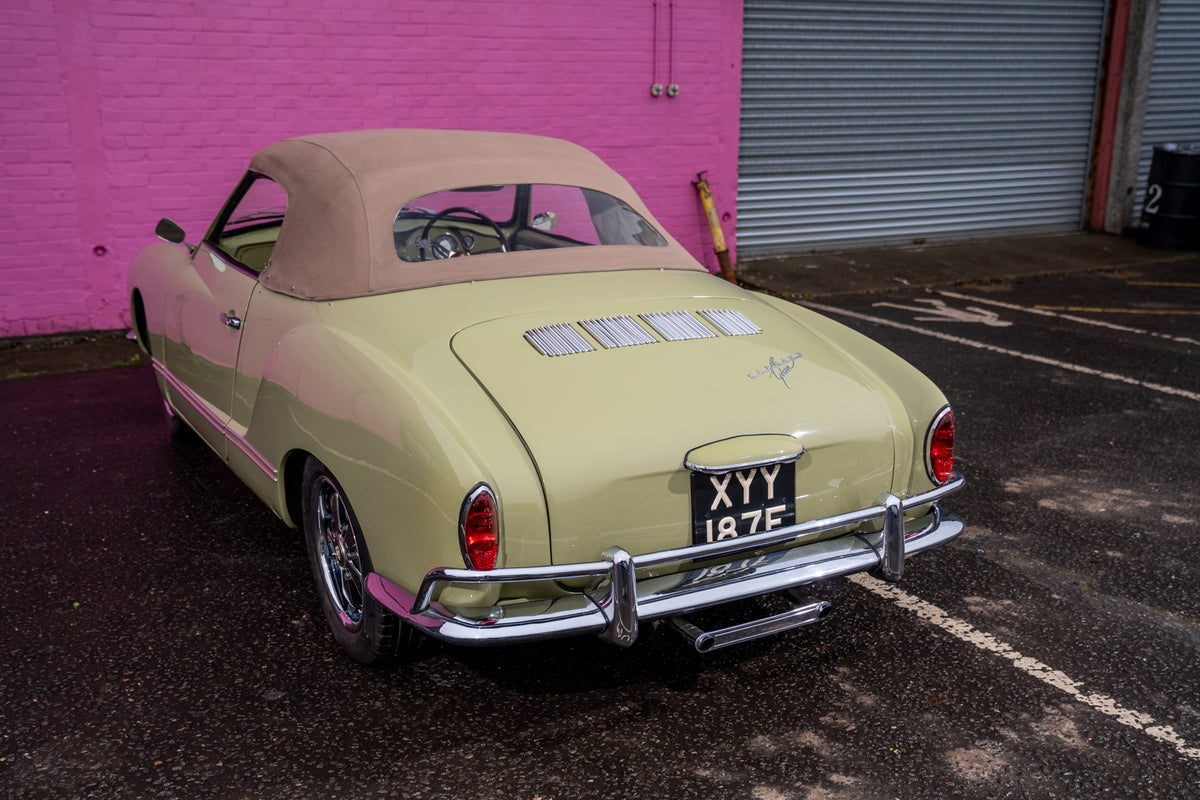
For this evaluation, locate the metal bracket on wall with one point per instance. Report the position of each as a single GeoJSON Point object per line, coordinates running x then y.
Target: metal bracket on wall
{"type": "Point", "coordinates": [656, 88]}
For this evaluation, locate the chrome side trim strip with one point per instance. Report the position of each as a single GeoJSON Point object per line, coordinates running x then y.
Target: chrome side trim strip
{"type": "Point", "coordinates": [620, 331]}
{"type": "Point", "coordinates": [187, 394]}
{"type": "Point", "coordinates": [730, 323]}
{"type": "Point", "coordinates": [252, 454]}
{"type": "Point", "coordinates": [677, 326]}
{"type": "Point", "coordinates": [195, 402]}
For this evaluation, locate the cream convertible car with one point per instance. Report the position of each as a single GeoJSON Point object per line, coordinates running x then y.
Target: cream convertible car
{"type": "Point", "coordinates": [504, 405]}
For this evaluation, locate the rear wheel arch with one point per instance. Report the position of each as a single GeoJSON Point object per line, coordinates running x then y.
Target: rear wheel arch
{"type": "Point", "coordinates": [341, 563]}
{"type": "Point", "coordinates": [292, 489]}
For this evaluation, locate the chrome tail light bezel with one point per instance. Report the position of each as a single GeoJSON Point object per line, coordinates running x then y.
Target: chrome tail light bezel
{"type": "Point", "coordinates": [932, 466]}
{"type": "Point", "coordinates": [472, 557]}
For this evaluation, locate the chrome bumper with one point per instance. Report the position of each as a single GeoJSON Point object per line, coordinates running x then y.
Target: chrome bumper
{"type": "Point", "coordinates": [619, 600]}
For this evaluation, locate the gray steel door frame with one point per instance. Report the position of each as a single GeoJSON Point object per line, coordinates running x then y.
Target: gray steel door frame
{"type": "Point", "coordinates": [879, 123]}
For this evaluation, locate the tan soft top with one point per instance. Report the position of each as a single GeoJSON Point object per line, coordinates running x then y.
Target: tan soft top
{"type": "Point", "coordinates": [345, 189]}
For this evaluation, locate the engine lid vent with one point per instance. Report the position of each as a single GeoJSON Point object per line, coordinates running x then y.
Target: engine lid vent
{"type": "Point", "coordinates": [730, 323]}
{"type": "Point", "coordinates": [620, 331]}
{"type": "Point", "coordinates": [557, 340]}
{"type": "Point", "coordinates": [677, 326]}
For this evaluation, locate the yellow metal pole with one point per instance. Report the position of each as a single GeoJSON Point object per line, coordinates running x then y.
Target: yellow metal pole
{"type": "Point", "coordinates": [714, 227]}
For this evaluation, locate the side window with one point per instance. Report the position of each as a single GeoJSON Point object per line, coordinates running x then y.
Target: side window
{"type": "Point", "coordinates": [456, 222]}
{"type": "Point", "coordinates": [249, 230]}
{"type": "Point", "coordinates": [617, 223]}
{"type": "Point", "coordinates": [494, 201]}
{"type": "Point", "coordinates": [563, 210]}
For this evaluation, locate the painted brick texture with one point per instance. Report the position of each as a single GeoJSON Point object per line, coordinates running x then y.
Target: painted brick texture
{"type": "Point", "coordinates": [114, 113]}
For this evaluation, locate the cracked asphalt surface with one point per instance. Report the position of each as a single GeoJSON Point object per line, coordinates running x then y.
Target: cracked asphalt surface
{"type": "Point", "coordinates": [160, 636]}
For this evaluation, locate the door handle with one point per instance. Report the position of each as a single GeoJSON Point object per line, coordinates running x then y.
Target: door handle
{"type": "Point", "coordinates": [231, 321]}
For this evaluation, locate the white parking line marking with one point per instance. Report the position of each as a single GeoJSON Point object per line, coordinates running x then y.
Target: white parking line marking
{"type": "Point", "coordinates": [1148, 312]}
{"type": "Point", "coordinates": [1030, 666]}
{"type": "Point", "coordinates": [1099, 323]}
{"type": "Point", "coordinates": [1050, 362]}
{"type": "Point", "coordinates": [938, 311]}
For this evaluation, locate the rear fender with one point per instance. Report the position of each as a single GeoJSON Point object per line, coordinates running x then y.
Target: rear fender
{"type": "Point", "coordinates": [912, 399]}
{"type": "Point", "coordinates": [153, 273]}
{"type": "Point", "coordinates": [406, 458]}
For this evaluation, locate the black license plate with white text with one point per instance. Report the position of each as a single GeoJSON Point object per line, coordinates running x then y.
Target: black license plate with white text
{"type": "Point", "coordinates": [743, 502]}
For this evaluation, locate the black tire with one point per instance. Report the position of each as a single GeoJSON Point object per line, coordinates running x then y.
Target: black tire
{"type": "Point", "coordinates": [360, 624]}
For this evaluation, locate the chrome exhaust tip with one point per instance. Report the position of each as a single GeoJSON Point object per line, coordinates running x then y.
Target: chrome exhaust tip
{"type": "Point", "coordinates": [804, 611]}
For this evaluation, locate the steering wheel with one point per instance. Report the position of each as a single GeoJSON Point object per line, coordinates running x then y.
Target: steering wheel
{"type": "Point", "coordinates": [461, 210]}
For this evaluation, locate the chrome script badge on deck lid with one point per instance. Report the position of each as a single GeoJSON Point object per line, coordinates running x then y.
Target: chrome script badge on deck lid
{"type": "Point", "coordinates": [779, 369]}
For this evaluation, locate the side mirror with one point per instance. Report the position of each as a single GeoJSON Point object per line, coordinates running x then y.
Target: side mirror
{"type": "Point", "coordinates": [545, 221]}
{"type": "Point", "coordinates": [169, 231]}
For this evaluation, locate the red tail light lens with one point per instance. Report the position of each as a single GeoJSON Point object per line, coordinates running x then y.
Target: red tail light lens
{"type": "Point", "coordinates": [479, 527]}
{"type": "Point", "coordinates": [940, 446]}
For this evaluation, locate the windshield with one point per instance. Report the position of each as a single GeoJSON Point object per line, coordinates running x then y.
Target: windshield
{"type": "Point", "coordinates": [494, 219]}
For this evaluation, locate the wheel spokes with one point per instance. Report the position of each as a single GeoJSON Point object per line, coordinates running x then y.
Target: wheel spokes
{"type": "Point", "coordinates": [339, 556]}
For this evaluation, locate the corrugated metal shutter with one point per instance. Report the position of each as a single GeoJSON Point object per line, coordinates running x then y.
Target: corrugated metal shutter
{"type": "Point", "coordinates": [887, 122]}
{"type": "Point", "coordinates": [1173, 103]}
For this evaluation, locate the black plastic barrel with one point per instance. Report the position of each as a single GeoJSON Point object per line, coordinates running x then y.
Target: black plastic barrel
{"type": "Point", "coordinates": [1171, 210]}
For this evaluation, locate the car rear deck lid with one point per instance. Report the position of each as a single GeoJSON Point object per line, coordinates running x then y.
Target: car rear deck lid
{"type": "Point", "coordinates": [743, 452]}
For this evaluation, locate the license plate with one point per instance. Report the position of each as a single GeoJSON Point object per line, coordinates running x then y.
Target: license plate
{"type": "Point", "coordinates": [743, 502]}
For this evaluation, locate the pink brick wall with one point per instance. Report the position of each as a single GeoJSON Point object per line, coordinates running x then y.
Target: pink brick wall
{"type": "Point", "coordinates": [114, 113]}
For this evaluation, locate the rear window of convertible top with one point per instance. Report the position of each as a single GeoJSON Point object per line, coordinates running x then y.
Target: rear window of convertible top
{"type": "Point", "coordinates": [510, 217]}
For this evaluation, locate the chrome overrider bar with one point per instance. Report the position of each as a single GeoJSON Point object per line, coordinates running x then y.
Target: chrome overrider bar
{"type": "Point", "coordinates": [619, 600]}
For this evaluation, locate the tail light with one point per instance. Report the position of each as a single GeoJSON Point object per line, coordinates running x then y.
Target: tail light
{"type": "Point", "coordinates": [479, 528]}
{"type": "Point", "coordinates": [939, 446]}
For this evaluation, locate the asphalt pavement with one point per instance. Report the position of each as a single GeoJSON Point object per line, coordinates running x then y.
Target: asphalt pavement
{"type": "Point", "coordinates": [881, 270]}
{"type": "Point", "coordinates": [160, 636]}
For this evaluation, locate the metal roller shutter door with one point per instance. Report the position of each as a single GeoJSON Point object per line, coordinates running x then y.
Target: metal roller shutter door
{"type": "Point", "coordinates": [894, 122]}
{"type": "Point", "coordinates": [1173, 102]}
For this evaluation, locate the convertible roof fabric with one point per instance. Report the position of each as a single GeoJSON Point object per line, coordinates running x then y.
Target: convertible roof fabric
{"type": "Point", "coordinates": [345, 189]}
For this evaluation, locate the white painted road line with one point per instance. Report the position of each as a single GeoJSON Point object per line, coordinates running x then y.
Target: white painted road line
{"type": "Point", "coordinates": [939, 312]}
{"type": "Point", "coordinates": [1098, 323]}
{"type": "Point", "coordinates": [1030, 666]}
{"type": "Point", "coordinates": [1050, 362]}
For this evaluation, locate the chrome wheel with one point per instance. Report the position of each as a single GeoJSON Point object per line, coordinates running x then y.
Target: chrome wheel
{"type": "Point", "coordinates": [338, 553]}
{"type": "Point", "coordinates": [341, 562]}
